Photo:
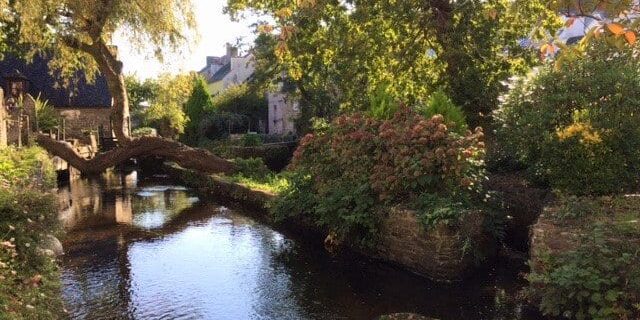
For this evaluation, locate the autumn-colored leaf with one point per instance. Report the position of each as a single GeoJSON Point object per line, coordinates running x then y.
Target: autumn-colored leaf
{"type": "Point", "coordinates": [631, 37]}
{"type": "Point", "coordinates": [615, 28]}
{"type": "Point", "coordinates": [543, 48]}
{"type": "Point", "coordinates": [548, 48]}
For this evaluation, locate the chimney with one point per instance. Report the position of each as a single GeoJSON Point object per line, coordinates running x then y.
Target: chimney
{"type": "Point", "coordinates": [232, 52]}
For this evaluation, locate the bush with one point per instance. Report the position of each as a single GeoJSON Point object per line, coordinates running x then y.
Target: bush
{"type": "Point", "coordinates": [591, 271]}
{"type": "Point", "coordinates": [251, 140]}
{"type": "Point", "coordinates": [245, 101]}
{"type": "Point", "coordinates": [28, 212]}
{"type": "Point", "coordinates": [345, 174]}
{"type": "Point", "coordinates": [576, 127]}
{"type": "Point", "coordinates": [440, 103]}
{"type": "Point", "coordinates": [219, 125]}
{"type": "Point", "coordinates": [252, 167]}
{"type": "Point", "coordinates": [25, 168]}
{"type": "Point", "coordinates": [144, 132]}
{"type": "Point", "coordinates": [199, 102]}
{"type": "Point", "coordinates": [46, 115]}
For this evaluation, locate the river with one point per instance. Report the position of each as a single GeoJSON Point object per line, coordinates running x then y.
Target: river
{"type": "Point", "coordinates": [145, 248]}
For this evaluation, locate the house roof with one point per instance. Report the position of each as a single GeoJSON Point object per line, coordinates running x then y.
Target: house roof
{"type": "Point", "coordinates": [41, 82]}
{"type": "Point", "coordinates": [220, 74]}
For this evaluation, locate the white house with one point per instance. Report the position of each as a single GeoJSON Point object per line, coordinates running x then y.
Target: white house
{"type": "Point", "coordinates": [231, 69]}
{"type": "Point", "coordinates": [228, 70]}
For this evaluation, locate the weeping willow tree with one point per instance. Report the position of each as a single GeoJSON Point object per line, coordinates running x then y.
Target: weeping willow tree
{"type": "Point", "coordinates": [76, 36]}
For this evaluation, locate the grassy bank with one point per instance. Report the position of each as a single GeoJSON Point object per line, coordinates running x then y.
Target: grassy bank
{"type": "Point", "coordinates": [29, 275]}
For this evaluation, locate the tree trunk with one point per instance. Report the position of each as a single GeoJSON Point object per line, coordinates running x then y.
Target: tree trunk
{"type": "Point", "coordinates": [197, 159]}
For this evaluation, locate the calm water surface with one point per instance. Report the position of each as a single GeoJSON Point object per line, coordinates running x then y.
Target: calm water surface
{"type": "Point", "coordinates": [144, 248]}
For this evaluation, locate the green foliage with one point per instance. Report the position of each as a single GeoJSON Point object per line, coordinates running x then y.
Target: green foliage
{"type": "Point", "coordinates": [199, 102]}
{"type": "Point", "coordinates": [23, 168]}
{"type": "Point", "coordinates": [382, 105]}
{"type": "Point", "coordinates": [440, 103]}
{"type": "Point", "coordinates": [144, 132]}
{"type": "Point", "coordinates": [345, 174]}
{"type": "Point", "coordinates": [219, 125]}
{"type": "Point", "coordinates": [139, 92]}
{"type": "Point", "coordinates": [46, 115]}
{"type": "Point", "coordinates": [576, 126]}
{"type": "Point", "coordinates": [27, 213]}
{"type": "Point", "coordinates": [245, 101]}
{"type": "Point", "coordinates": [166, 110]}
{"type": "Point", "coordinates": [251, 140]}
{"type": "Point", "coordinates": [598, 280]}
{"type": "Point", "coordinates": [253, 173]}
{"type": "Point", "coordinates": [62, 29]}
{"type": "Point", "coordinates": [335, 51]}
{"type": "Point", "coordinates": [252, 167]}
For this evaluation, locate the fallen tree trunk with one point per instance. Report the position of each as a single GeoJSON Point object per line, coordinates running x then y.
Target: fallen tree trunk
{"type": "Point", "coordinates": [187, 157]}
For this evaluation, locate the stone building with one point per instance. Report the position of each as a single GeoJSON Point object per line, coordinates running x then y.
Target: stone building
{"type": "Point", "coordinates": [283, 111]}
{"type": "Point", "coordinates": [82, 106]}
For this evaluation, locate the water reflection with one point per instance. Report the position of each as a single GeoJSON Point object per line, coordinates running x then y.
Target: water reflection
{"type": "Point", "coordinates": [181, 259]}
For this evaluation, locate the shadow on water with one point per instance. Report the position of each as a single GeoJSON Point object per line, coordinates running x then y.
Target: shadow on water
{"type": "Point", "coordinates": [143, 248]}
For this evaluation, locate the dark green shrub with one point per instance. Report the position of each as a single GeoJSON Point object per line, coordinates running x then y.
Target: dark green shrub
{"type": "Point", "coordinates": [576, 126]}
{"type": "Point", "coordinates": [199, 102]}
{"type": "Point", "coordinates": [440, 103]}
{"type": "Point", "coordinates": [252, 167]}
{"type": "Point", "coordinates": [219, 125]}
{"type": "Point", "coordinates": [46, 116]}
{"type": "Point", "coordinates": [246, 101]}
{"type": "Point", "coordinates": [251, 140]}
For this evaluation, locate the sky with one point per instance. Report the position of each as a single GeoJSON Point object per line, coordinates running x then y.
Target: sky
{"type": "Point", "coordinates": [215, 28]}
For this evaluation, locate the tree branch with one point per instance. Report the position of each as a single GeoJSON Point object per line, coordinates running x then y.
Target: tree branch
{"type": "Point", "coordinates": [197, 159]}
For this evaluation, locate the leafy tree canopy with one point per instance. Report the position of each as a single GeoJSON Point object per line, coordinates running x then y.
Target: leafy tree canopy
{"type": "Point", "coordinates": [166, 110]}
{"type": "Point", "coordinates": [338, 52]}
{"type": "Point", "coordinates": [72, 30]}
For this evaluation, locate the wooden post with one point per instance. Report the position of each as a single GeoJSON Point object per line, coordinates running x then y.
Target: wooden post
{"type": "Point", "coordinates": [20, 129]}
{"type": "Point", "coordinates": [3, 121]}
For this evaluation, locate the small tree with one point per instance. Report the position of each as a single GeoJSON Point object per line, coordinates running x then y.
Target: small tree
{"type": "Point", "coordinates": [198, 103]}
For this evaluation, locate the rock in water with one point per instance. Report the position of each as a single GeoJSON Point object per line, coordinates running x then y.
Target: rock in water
{"type": "Point", "coordinates": [51, 243]}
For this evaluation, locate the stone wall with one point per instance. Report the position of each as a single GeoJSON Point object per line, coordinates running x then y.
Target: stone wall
{"type": "Point", "coordinates": [447, 252]}
{"type": "Point", "coordinates": [78, 121]}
